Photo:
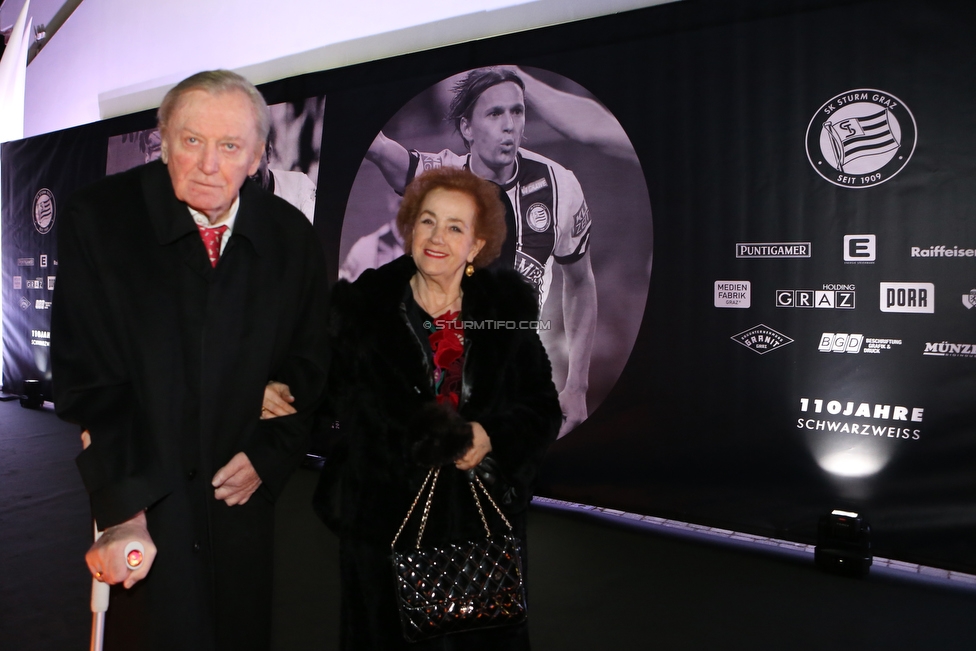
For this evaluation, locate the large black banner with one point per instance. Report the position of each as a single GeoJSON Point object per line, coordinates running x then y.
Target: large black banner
{"type": "Point", "coordinates": [38, 176]}
{"type": "Point", "coordinates": [766, 210]}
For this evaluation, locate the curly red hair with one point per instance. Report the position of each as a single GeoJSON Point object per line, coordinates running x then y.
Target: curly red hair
{"type": "Point", "coordinates": [489, 222]}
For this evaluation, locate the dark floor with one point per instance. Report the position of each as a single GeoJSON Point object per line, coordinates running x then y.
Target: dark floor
{"type": "Point", "coordinates": [596, 583]}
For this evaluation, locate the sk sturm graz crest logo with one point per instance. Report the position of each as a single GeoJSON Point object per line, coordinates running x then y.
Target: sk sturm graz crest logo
{"type": "Point", "coordinates": [861, 138]}
{"type": "Point", "coordinates": [43, 210]}
{"type": "Point", "coordinates": [538, 217]}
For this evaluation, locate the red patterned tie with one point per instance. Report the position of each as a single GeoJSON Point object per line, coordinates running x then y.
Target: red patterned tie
{"type": "Point", "coordinates": [211, 240]}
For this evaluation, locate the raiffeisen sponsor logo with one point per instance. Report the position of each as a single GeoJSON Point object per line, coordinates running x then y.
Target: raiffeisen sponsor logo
{"type": "Point", "coordinates": [942, 252]}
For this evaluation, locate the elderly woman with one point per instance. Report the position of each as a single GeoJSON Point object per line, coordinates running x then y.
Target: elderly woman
{"type": "Point", "coordinates": [436, 363]}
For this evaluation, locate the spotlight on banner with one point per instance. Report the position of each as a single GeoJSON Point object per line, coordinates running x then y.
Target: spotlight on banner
{"type": "Point", "coordinates": [32, 398]}
{"type": "Point", "coordinates": [843, 544]}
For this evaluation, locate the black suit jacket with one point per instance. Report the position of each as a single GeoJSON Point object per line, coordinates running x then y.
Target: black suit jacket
{"type": "Point", "coordinates": [164, 359]}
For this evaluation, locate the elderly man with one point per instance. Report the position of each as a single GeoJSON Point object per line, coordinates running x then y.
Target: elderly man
{"type": "Point", "coordinates": [548, 216]}
{"type": "Point", "coordinates": [183, 289]}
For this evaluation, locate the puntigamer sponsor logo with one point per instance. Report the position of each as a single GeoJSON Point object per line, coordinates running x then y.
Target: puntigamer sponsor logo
{"type": "Point", "coordinates": [878, 418]}
{"type": "Point", "coordinates": [733, 293]}
{"type": "Point", "coordinates": [840, 297]}
{"type": "Point", "coordinates": [761, 339]}
{"type": "Point", "coordinates": [942, 252]}
{"type": "Point", "coordinates": [946, 349]}
{"type": "Point", "coordinates": [853, 343]}
{"type": "Point", "coordinates": [772, 250]}
{"type": "Point", "coordinates": [910, 298]}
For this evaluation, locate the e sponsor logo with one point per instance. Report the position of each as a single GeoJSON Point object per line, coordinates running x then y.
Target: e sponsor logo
{"type": "Point", "coordinates": [860, 248]}
{"type": "Point", "coordinates": [908, 298]}
{"type": "Point", "coordinates": [733, 293]}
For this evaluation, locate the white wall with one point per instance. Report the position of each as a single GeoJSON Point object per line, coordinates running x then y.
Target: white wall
{"type": "Point", "coordinates": [113, 57]}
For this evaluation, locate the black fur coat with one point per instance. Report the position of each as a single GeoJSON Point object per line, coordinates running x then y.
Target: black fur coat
{"type": "Point", "coordinates": [380, 388]}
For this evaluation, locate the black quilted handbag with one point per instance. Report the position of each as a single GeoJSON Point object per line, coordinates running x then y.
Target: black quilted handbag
{"type": "Point", "coordinates": [459, 586]}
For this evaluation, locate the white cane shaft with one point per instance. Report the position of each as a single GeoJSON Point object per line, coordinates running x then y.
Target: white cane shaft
{"type": "Point", "coordinates": [98, 631]}
{"type": "Point", "coordinates": [99, 604]}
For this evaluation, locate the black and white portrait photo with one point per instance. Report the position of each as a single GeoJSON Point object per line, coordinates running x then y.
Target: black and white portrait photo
{"type": "Point", "coordinates": [579, 215]}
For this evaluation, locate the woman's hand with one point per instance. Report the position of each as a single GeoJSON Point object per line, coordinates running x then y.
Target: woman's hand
{"type": "Point", "coordinates": [277, 401]}
{"type": "Point", "coordinates": [481, 445]}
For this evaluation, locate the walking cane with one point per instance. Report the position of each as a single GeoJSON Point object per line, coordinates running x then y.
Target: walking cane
{"type": "Point", "coordinates": [100, 594]}
{"type": "Point", "coordinates": [99, 604]}
{"type": "Point", "coordinates": [134, 552]}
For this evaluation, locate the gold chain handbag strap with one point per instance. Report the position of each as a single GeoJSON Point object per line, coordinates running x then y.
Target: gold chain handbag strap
{"type": "Point", "coordinates": [431, 479]}
{"type": "Point", "coordinates": [475, 479]}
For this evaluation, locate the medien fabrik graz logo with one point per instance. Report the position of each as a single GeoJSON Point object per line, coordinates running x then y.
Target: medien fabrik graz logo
{"type": "Point", "coordinates": [861, 138]}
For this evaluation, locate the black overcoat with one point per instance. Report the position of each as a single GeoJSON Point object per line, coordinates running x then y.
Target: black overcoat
{"type": "Point", "coordinates": [380, 384]}
{"type": "Point", "coordinates": [164, 359]}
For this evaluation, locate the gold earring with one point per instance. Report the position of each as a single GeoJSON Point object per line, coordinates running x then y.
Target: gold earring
{"type": "Point", "coordinates": [469, 269]}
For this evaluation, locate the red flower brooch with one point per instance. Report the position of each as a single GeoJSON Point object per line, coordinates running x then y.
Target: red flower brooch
{"type": "Point", "coordinates": [447, 344]}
